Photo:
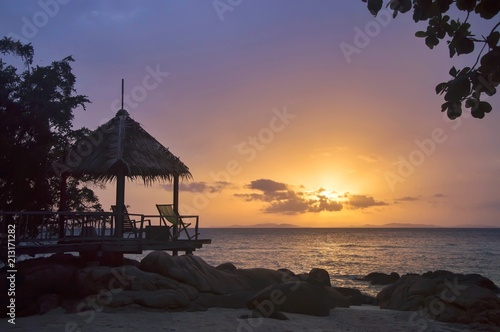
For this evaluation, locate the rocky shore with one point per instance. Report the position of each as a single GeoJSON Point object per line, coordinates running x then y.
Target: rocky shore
{"type": "Point", "coordinates": [188, 284]}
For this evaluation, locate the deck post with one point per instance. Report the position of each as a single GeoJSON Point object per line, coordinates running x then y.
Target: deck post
{"type": "Point", "coordinates": [120, 202]}
{"type": "Point", "coordinates": [176, 204]}
{"type": "Point", "coordinates": [176, 193]}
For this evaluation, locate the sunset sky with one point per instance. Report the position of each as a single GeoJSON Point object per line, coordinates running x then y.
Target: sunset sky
{"type": "Point", "coordinates": [312, 113]}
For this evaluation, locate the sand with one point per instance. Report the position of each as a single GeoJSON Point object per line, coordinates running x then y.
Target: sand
{"type": "Point", "coordinates": [363, 318]}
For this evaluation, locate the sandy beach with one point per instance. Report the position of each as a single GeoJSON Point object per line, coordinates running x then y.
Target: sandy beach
{"type": "Point", "coordinates": [134, 318]}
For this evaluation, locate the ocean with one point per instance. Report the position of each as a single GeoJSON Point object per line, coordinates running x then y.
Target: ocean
{"type": "Point", "coordinates": [349, 253]}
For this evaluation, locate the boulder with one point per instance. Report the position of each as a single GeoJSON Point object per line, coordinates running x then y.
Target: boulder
{"type": "Point", "coordinates": [161, 299]}
{"type": "Point", "coordinates": [335, 298]}
{"type": "Point", "coordinates": [194, 271]}
{"type": "Point", "coordinates": [92, 280]}
{"type": "Point", "coordinates": [49, 278]}
{"type": "Point", "coordinates": [47, 302]}
{"type": "Point", "coordinates": [378, 278]}
{"type": "Point", "coordinates": [319, 277]}
{"type": "Point", "coordinates": [445, 296]}
{"type": "Point", "coordinates": [294, 297]}
{"type": "Point", "coordinates": [395, 295]}
{"type": "Point", "coordinates": [354, 296]}
{"type": "Point", "coordinates": [228, 267]}
{"type": "Point", "coordinates": [233, 301]}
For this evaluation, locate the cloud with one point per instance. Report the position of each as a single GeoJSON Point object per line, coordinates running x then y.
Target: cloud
{"type": "Point", "coordinates": [267, 185]}
{"type": "Point", "coordinates": [286, 199]}
{"type": "Point", "coordinates": [282, 198]}
{"type": "Point", "coordinates": [407, 199]}
{"type": "Point", "coordinates": [438, 195]}
{"type": "Point", "coordinates": [199, 187]}
{"type": "Point", "coordinates": [363, 202]}
{"type": "Point", "coordinates": [370, 158]}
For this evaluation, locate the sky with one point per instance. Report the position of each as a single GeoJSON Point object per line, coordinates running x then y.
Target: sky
{"type": "Point", "coordinates": [312, 113]}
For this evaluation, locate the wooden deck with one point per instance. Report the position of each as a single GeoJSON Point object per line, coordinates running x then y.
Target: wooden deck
{"type": "Point", "coordinates": [126, 246]}
{"type": "Point", "coordinates": [88, 234]}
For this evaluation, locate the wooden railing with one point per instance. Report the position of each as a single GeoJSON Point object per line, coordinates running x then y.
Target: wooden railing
{"type": "Point", "coordinates": [49, 226]}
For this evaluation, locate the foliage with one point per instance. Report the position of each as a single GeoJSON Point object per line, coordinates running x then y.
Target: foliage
{"type": "Point", "coordinates": [469, 83]}
{"type": "Point", "coordinates": [36, 113]}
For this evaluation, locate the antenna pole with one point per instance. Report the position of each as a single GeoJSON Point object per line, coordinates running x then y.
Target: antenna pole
{"type": "Point", "coordinates": [123, 85]}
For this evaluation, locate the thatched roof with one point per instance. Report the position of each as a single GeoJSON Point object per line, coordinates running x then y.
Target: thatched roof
{"type": "Point", "coordinates": [125, 144]}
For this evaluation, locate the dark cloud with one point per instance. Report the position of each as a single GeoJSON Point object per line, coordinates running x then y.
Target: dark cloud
{"type": "Point", "coordinates": [267, 185]}
{"type": "Point", "coordinates": [199, 187]}
{"type": "Point", "coordinates": [407, 199]}
{"type": "Point", "coordinates": [363, 202]}
{"type": "Point", "coordinates": [439, 195]}
{"type": "Point", "coordinates": [280, 198]}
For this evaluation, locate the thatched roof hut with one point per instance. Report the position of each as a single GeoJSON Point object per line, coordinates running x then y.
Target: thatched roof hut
{"type": "Point", "coordinates": [122, 148]}
{"type": "Point", "coordinates": [122, 144]}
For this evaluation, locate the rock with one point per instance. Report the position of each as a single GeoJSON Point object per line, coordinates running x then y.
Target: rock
{"type": "Point", "coordinates": [295, 297]}
{"type": "Point", "coordinates": [258, 278]}
{"type": "Point", "coordinates": [228, 267]}
{"type": "Point", "coordinates": [394, 296]}
{"type": "Point", "coordinates": [287, 272]}
{"type": "Point", "coordinates": [233, 301]}
{"type": "Point", "coordinates": [354, 296]}
{"type": "Point", "coordinates": [424, 287]}
{"type": "Point", "coordinates": [319, 277]}
{"type": "Point", "coordinates": [161, 299]}
{"type": "Point", "coordinates": [92, 280]}
{"type": "Point", "coordinates": [194, 271]}
{"type": "Point", "coordinates": [47, 302]}
{"type": "Point", "coordinates": [470, 279]}
{"type": "Point", "coordinates": [378, 278]}
{"type": "Point", "coordinates": [445, 296]}
{"type": "Point", "coordinates": [49, 278]}
{"type": "Point", "coordinates": [38, 277]}
{"type": "Point", "coordinates": [336, 299]}
{"type": "Point", "coordinates": [132, 262]}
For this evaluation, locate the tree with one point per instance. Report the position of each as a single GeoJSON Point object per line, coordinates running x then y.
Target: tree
{"type": "Point", "coordinates": [469, 83]}
{"type": "Point", "coordinates": [36, 113]}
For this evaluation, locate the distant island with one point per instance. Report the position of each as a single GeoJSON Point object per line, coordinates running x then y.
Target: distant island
{"type": "Point", "coordinates": [265, 225]}
{"type": "Point", "coordinates": [407, 225]}
{"type": "Point", "coordinates": [389, 225]}
{"type": "Point", "coordinates": [400, 225]}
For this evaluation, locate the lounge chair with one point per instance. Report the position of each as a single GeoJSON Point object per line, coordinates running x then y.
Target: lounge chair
{"type": "Point", "coordinates": [130, 225]}
{"type": "Point", "coordinates": [169, 215]}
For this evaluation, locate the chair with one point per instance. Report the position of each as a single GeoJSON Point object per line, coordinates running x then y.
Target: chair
{"type": "Point", "coordinates": [130, 225]}
{"type": "Point", "coordinates": [169, 215]}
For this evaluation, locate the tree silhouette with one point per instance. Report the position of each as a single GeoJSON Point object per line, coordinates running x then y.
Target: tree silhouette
{"type": "Point", "coordinates": [467, 84]}
{"type": "Point", "coordinates": [36, 113]}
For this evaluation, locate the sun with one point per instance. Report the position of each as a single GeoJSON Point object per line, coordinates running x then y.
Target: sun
{"type": "Point", "coordinates": [331, 195]}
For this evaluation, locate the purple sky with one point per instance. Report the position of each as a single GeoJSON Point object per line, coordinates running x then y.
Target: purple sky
{"type": "Point", "coordinates": [276, 122]}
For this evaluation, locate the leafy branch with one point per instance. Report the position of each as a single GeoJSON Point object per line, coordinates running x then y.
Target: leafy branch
{"type": "Point", "coordinates": [469, 83]}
